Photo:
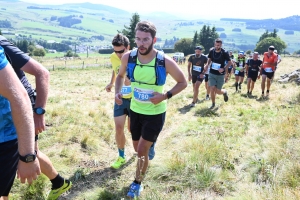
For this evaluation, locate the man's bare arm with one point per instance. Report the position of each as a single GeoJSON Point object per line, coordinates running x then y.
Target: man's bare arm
{"type": "Point", "coordinates": [41, 75]}
{"type": "Point", "coordinates": [12, 89]}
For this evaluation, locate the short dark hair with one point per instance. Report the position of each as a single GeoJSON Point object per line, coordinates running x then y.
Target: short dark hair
{"type": "Point", "coordinates": [218, 40]}
{"type": "Point", "coordinates": [120, 40]}
{"type": "Point", "coordinates": [146, 26]}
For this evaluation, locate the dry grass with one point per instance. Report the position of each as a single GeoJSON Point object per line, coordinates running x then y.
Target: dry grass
{"type": "Point", "coordinates": [243, 149]}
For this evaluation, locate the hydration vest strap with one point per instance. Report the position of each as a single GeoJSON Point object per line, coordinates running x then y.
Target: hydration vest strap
{"type": "Point", "coordinates": [159, 67]}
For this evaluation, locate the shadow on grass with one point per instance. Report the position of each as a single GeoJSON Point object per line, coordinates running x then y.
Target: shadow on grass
{"type": "Point", "coordinates": [249, 96]}
{"type": "Point", "coordinates": [112, 194]}
{"type": "Point", "coordinates": [82, 181]}
{"type": "Point", "coordinates": [187, 108]}
{"type": "Point", "coordinates": [207, 112]}
{"type": "Point", "coordinates": [263, 99]}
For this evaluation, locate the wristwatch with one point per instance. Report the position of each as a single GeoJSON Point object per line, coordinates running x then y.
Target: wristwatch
{"type": "Point", "coordinates": [28, 158]}
{"type": "Point", "coordinates": [169, 94]}
{"type": "Point", "coordinates": [39, 111]}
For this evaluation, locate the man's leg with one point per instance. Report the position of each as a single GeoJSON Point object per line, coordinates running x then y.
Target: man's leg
{"type": "Point", "coordinates": [236, 82]}
{"type": "Point", "coordinates": [120, 140]}
{"type": "Point", "coordinates": [196, 91]}
{"type": "Point", "coordinates": [241, 79]}
{"type": "Point", "coordinates": [268, 85]}
{"type": "Point", "coordinates": [248, 85]}
{"type": "Point", "coordinates": [252, 85]}
{"type": "Point", "coordinates": [59, 184]}
{"type": "Point", "coordinates": [120, 136]}
{"type": "Point", "coordinates": [263, 81]}
{"type": "Point", "coordinates": [213, 94]}
{"type": "Point", "coordinates": [142, 165]}
{"type": "Point", "coordinates": [46, 165]}
{"type": "Point", "coordinates": [207, 90]}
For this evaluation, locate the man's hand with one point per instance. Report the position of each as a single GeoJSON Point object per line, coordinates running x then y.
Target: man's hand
{"type": "Point", "coordinates": [258, 77]}
{"type": "Point", "coordinates": [190, 77]}
{"type": "Point", "coordinates": [157, 98]}
{"type": "Point", "coordinates": [108, 87]}
{"type": "Point", "coordinates": [39, 123]}
{"type": "Point", "coordinates": [201, 75]}
{"type": "Point", "coordinates": [118, 99]}
{"type": "Point", "coordinates": [221, 70]}
{"type": "Point", "coordinates": [28, 171]}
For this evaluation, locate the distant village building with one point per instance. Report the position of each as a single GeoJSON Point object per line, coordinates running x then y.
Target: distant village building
{"type": "Point", "coordinates": [39, 46]}
{"type": "Point", "coordinates": [52, 51]}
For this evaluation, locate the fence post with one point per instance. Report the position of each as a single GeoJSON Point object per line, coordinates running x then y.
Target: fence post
{"type": "Point", "coordinates": [53, 67]}
{"type": "Point", "coordinates": [82, 64]}
{"type": "Point", "coordinates": [65, 64]}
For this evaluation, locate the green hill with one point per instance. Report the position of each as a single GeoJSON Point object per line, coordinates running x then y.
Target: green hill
{"type": "Point", "coordinates": [80, 22]}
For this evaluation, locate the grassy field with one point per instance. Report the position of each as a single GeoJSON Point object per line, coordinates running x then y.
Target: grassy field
{"type": "Point", "coordinates": [247, 148]}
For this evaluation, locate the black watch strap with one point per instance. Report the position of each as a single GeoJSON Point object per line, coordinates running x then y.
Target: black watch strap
{"type": "Point", "coordinates": [28, 158]}
{"type": "Point", "coordinates": [169, 94]}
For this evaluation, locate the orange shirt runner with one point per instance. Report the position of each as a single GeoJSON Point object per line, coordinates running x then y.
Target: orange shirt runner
{"type": "Point", "coordinates": [270, 62]}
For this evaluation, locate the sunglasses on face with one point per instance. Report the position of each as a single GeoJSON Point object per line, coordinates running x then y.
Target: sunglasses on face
{"type": "Point", "coordinates": [122, 51]}
{"type": "Point", "coordinates": [272, 49]}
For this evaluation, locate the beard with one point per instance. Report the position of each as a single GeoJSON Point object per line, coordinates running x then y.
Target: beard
{"type": "Point", "coordinates": [148, 50]}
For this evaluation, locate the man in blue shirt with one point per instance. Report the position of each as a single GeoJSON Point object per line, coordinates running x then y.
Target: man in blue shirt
{"type": "Point", "coordinates": [16, 131]}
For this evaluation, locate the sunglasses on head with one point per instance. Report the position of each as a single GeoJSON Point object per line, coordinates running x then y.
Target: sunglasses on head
{"type": "Point", "coordinates": [122, 51]}
{"type": "Point", "coordinates": [271, 49]}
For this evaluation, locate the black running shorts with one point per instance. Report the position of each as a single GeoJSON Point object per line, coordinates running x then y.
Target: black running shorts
{"type": "Point", "coordinates": [9, 158]}
{"type": "Point", "coordinates": [253, 76]}
{"type": "Point", "coordinates": [146, 126]}
{"type": "Point", "coordinates": [268, 74]}
{"type": "Point", "coordinates": [196, 78]}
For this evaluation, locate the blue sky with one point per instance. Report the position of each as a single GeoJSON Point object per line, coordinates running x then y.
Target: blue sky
{"type": "Point", "coordinates": [213, 9]}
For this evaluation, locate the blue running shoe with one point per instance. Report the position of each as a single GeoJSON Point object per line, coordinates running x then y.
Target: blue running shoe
{"type": "Point", "coordinates": [134, 190]}
{"type": "Point", "coordinates": [151, 153]}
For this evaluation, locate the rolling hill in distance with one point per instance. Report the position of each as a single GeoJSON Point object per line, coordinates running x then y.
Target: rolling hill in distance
{"type": "Point", "coordinates": [96, 24]}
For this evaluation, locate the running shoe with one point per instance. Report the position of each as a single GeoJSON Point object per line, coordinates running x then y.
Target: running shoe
{"type": "Point", "coordinates": [207, 97]}
{"type": "Point", "coordinates": [54, 194]}
{"type": "Point", "coordinates": [212, 106]}
{"type": "Point", "coordinates": [192, 104]}
{"type": "Point", "coordinates": [151, 153]}
{"type": "Point", "coordinates": [118, 163]}
{"type": "Point", "coordinates": [225, 95]}
{"type": "Point", "coordinates": [134, 190]}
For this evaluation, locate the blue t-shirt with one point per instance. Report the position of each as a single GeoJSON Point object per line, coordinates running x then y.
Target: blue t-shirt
{"type": "Point", "coordinates": [7, 129]}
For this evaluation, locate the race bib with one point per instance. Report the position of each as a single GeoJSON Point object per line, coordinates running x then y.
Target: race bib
{"type": "Point", "coordinates": [241, 64]}
{"type": "Point", "coordinates": [216, 66]}
{"type": "Point", "coordinates": [236, 72]}
{"type": "Point", "coordinates": [197, 68]}
{"type": "Point", "coordinates": [142, 95]}
{"type": "Point", "coordinates": [126, 90]}
{"type": "Point", "coordinates": [253, 69]}
{"type": "Point", "coordinates": [268, 69]}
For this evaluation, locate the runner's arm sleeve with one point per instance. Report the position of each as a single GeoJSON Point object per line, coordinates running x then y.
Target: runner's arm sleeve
{"type": "Point", "coordinates": [16, 57]}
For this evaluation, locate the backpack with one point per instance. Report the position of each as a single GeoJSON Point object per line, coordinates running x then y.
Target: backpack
{"type": "Point", "coordinates": [160, 69]}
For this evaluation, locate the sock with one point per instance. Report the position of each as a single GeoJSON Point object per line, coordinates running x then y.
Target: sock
{"type": "Point", "coordinates": [122, 153]}
{"type": "Point", "coordinates": [236, 86]}
{"type": "Point", "coordinates": [137, 182]}
{"type": "Point", "coordinates": [263, 92]}
{"type": "Point", "coordinates": [57, 182]}
{"type": "Point", "coordinates": [268, 91]}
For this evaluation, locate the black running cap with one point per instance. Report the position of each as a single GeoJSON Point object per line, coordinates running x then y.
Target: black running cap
{"type": "Point", "coordinates": [198, 47]}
